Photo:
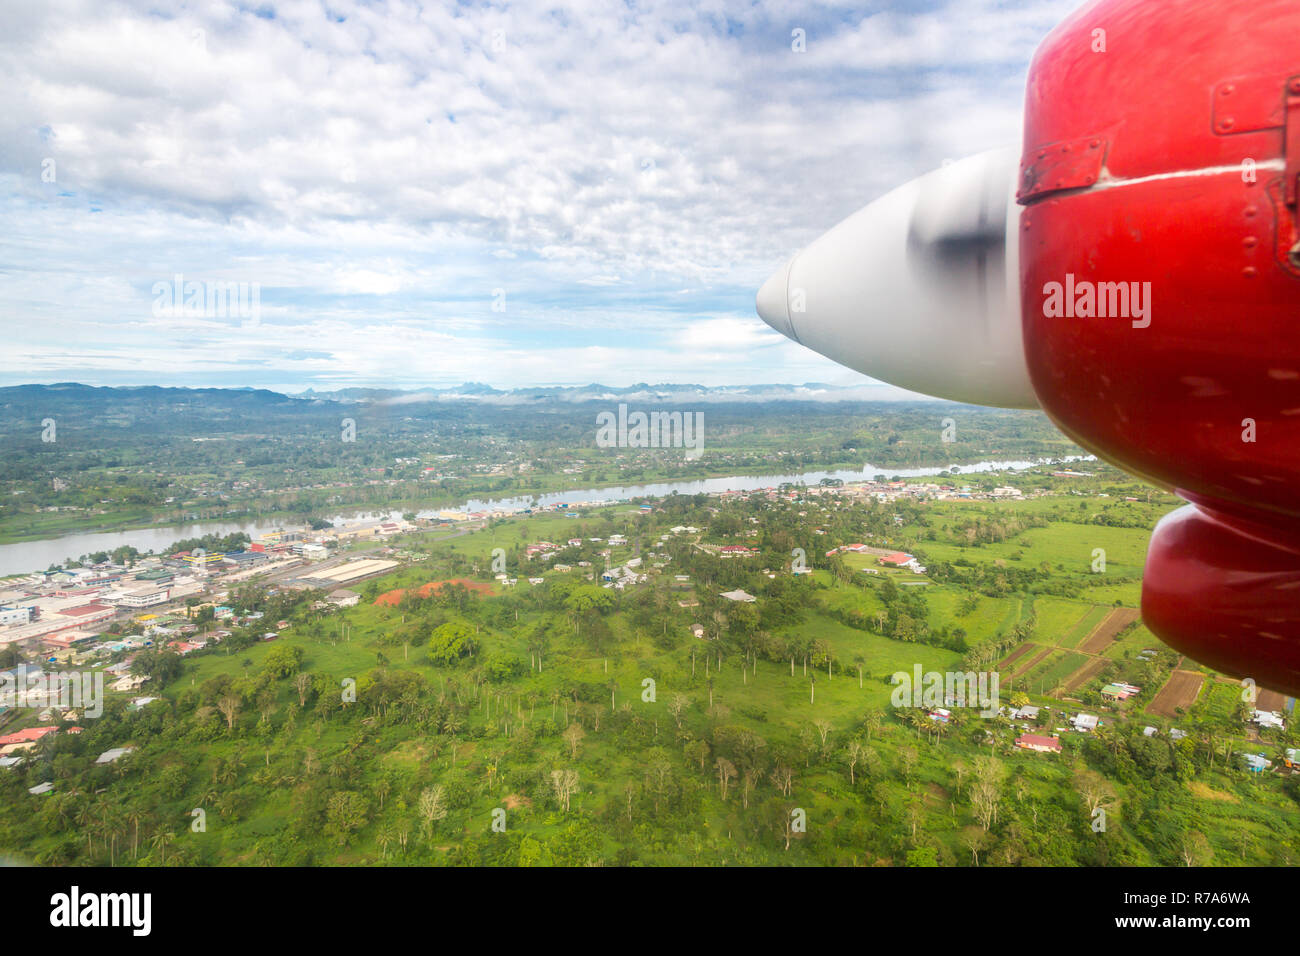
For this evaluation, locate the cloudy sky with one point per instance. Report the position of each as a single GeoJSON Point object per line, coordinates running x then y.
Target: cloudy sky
{"type": "Point", "coordinates": [432, 193]}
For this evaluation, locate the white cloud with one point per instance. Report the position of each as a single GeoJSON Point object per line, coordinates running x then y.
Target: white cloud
{"type": "Point", "coordinates": [380, 168]}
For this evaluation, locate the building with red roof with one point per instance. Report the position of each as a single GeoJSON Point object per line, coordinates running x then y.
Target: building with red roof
{"type": "Point", "coordinates": [1039, 743]}
{"type": "Point", "coordinates": [22, 739]}
{"type": "Point", "coordinates": [84, 610]}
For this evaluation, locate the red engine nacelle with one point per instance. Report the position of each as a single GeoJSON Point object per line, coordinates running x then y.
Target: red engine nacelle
{"type": "Point", "coordinates": [1138, 276]}
{"type": "Point", "coordinates": [1160, 297]}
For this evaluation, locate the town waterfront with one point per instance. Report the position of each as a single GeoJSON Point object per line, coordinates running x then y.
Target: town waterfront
{"type": "Point", "coordinates": [25, 557]}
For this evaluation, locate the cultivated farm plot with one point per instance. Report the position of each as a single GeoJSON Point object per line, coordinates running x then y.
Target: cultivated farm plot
{"type": "Point", "coordinates": [1015, 655]}
{"type": "Point", "coordinates": [1058, 618]}
{"type": "Point", "coordinates": [1084, 626]}
{"type": "Point", "coordinates": [1054, 671]}
{"type": "Point", "coordinates": [1026, 668]}
{"type": "Point", "coordinates": [1109, 628]}
{"type": "Point", "coordinates": [1180, 691]}
{"type": "Point", "coordinates": [1086, 673]}
{"type": "Point", "coordinates": [1270, 700]}
{"type": "Point", "coordinates": [1220, 699]}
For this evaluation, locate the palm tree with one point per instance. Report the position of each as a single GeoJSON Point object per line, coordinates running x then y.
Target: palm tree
{"type": "Point", "coordinates": [85, 820]}
{"type": "Point", "coordinates": [133, 817]}
{"type": "Point", "coordinates": [230, 768]}
{"type": "Point", "coordinates": [65, 809]}
{"type": "Point", "coordinates": [160, 842]}
{"type": "Point", "coordinates": [385, 837]}
{"type": "Point", "coordinates": [111, 822]}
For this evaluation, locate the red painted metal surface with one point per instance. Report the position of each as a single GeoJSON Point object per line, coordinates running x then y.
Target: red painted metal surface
{"type": "Point", "coordinates": [1190, 212]}
{"type": "Point", "coordinates": [1224, 591]}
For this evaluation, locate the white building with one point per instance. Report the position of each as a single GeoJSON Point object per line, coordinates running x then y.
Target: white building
{"type": "Point", "coordinates": [344, 598]}
{"type": "Point", "coordinates": [10, 614]}
{"type": "Point", "coordinates": [142, 598]}
{"type": "Point", "coordinates": [1269, 719]}
{"type": "Point", "coordinates": [1086, 722]}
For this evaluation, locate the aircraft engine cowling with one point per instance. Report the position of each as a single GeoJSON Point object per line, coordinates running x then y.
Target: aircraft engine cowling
{"type": "Point", "coordinates": [1151, 246]}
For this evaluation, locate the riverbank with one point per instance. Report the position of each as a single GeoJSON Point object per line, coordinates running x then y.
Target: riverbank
{"type": "Point", "coordinates": [22, 557]}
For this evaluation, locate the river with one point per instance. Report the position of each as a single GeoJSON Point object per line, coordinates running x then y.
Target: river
{"type": "Point", "coordinates": [26, 556]}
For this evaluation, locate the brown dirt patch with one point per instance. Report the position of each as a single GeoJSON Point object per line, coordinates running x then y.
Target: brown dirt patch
{"type": "Point", "coordinates": [1270, 700]}
{"type": "Point", "coordinates": [1179, 691]}
{"type": "Point", "coordinates": [393, 597]}
{"type": "Point", "coordinates": [514, 801]}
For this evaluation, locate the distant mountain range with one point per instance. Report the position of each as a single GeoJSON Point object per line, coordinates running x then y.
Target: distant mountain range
{"type": "Point", "coordinates": [468, 392]}
{"type": "Point", "coordinates": [673, 394]}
